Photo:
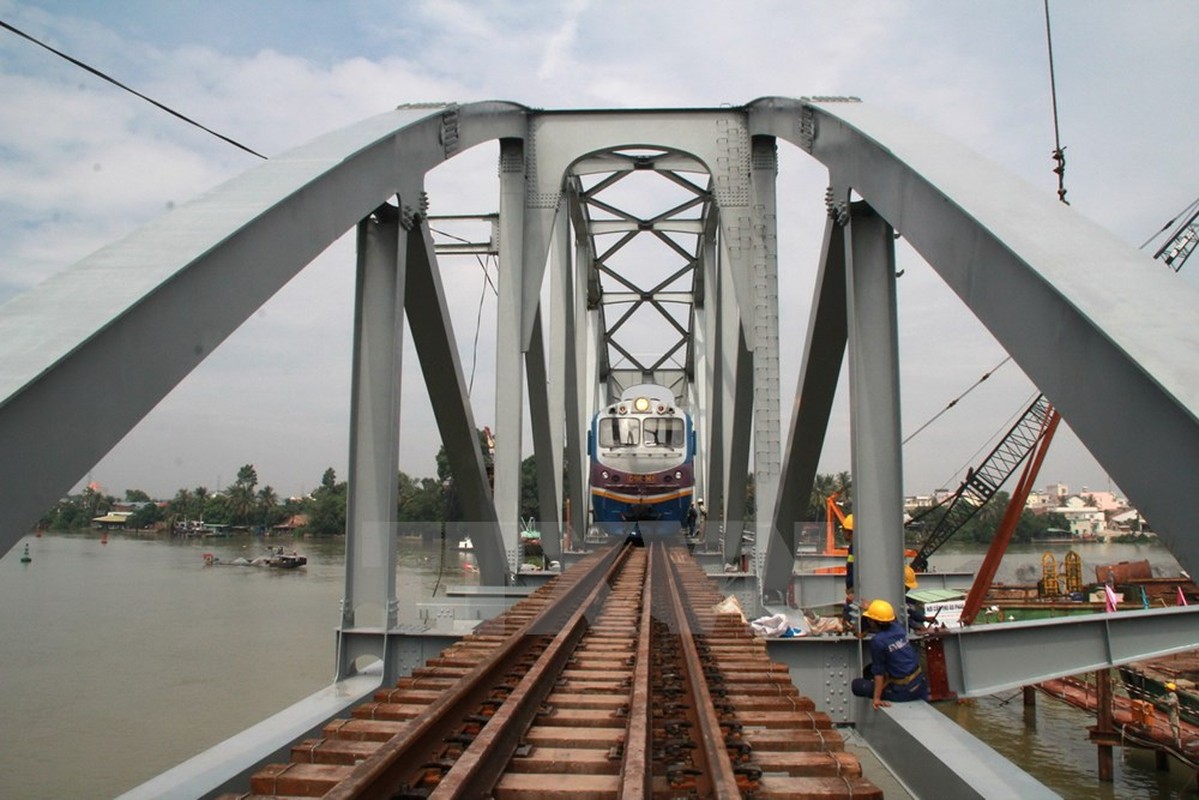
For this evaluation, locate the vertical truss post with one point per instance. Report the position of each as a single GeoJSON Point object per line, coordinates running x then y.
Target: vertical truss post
{"type": "Point", "coordinates": [585, 386]}
{"type": "Point", "coordinates": [370, 593]}
{"type": "Point", "coordinates": [764, 264]}
{"type": "Point", "coordinates": [874, 407]}
{"type": "Point", "coordinates": [509, 396]}
{"type": "Point", "coordinates": [564, 421]}
{"type": "Point", "coordinates": [712, 392]}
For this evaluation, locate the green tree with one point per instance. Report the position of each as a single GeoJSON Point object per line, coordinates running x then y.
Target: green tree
{"type": "Point", "coordinates": [327, 512]}
{"type": "Point", "coordinates": [247, 476]}
{"type": "Point", "coordinates": [146, 516]}
{"type": "Point", "coordinates": [269, 512]}
{"type": "Point", "coordinates": [530, 500]}
{"type": "Point", "coordinates": [136, 496]}
{"type": "Point", "coordinates": [422, 499]}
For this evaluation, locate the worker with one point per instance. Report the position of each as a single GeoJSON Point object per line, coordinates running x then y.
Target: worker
{"type": "Point", "coordinates": [692, 515]}
{"type": "Point", "coordinates": [917, 619]}
{"type": "Point", "coordinates": [1172, 713]}
{"type": "Point", "coordinates": [847, 613]}
{"type": "Point", "coordinates": [893, 673]}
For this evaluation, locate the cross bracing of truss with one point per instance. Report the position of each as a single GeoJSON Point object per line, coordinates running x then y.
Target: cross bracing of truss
{"type": "Point", "coordinates": [645, 279]}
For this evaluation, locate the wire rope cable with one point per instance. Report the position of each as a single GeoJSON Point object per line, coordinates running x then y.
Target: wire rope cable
{"type": "Point", "coordinates": [115, 82]}
{"type": "Point", "coordinates": [1059, 152]}
{"type": "Point", "coordinates": [955, 400]}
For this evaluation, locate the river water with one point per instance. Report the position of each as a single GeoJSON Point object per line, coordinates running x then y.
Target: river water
{"type": "Point", "coordinates": [118, 660]}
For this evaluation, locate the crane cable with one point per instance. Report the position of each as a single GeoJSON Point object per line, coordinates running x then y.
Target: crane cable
{"type": "Point", "coordinates": [1059, 152]}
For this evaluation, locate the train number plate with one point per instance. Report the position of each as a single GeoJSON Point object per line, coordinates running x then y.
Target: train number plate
{"type": "Point", "coordinates": [643, 479]}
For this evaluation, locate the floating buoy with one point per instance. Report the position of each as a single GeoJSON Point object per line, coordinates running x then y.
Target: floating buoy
{"type": "Point", "coordinates": [25, 557]}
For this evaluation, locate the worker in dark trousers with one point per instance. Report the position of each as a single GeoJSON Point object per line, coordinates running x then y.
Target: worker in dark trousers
{"type": "Point", "coordinates": [893, 674]}
{"type": "Point", "coordinates": [849, 611]}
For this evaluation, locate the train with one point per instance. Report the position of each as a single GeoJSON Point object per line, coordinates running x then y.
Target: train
{"type": "Point", "coordinates": [642, 453]}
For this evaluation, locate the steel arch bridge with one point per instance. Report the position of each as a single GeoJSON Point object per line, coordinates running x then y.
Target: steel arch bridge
{"type": "Point", "coordinates": [683, 294]}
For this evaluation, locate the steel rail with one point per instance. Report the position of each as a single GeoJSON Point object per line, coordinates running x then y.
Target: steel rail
{"type": "Point", "coordinates": [636, 772]}
{"type": "Point", "coordinates": [401, 760]}
{"type": "Point", "coordinates": [477, 770]}
{"type": "Point", "coordinates": [722, 780]}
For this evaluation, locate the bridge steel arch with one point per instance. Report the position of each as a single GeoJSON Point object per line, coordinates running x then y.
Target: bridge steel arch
{"type": "Point", "coordinates": [1098, 327]}
{"type": "Point", "coordinates": [1103, 333]}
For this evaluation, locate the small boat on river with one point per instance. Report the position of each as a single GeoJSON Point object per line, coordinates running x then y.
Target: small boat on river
{"type": "Point", "coordinates": [275, 558]}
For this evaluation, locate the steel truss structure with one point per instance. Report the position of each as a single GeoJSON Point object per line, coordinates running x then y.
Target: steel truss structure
{"type": "Point", "coordinates": [673, 282]}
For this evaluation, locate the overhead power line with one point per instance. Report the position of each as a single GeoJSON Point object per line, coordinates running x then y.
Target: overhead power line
{"type": "Point", "coordinates": [117, 83]}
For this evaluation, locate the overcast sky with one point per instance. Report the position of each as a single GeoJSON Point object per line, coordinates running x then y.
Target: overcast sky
{"type": "Point", "coordinates": [83, 163]}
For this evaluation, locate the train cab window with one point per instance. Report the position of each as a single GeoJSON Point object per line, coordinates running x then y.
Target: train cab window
{"type": "Point", "coordinates": [664, 432]}
{"type": "Point", "coordinates": [619, 432]}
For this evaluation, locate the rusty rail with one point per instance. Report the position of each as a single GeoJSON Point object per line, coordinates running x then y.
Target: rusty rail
{"type": "Point", "coordinates": [617, 680]}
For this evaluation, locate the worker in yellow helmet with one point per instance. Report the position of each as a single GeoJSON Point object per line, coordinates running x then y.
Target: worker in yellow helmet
{"type": "Point", "coordinates": [847, 614]}
{"type": "Point", "coordinates": [917, 619]}
{"type": "Point", "coordinates": [1172, 713]}
{"type": "Point", "coordinates": [893, 673]}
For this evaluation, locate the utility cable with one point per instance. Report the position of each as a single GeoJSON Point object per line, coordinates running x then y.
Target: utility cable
{"type": "Point", "coordinates": [955, 400]}
{"type": "Point", "coordinates": [1059, 152]}
{"type": "Point", "coordinates": [474, 359]}
{"type": "Point", "coordinates": [474, 353]}
{"type": "Point", "coordinates": [117, 83]}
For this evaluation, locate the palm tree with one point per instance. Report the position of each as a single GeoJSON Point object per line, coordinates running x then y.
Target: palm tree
{"type": "Point", "coordinates": [268, 501]}
{"type": "Point", "coordinates": [242, 503]}
{"type": "Point", "coordinates": [200, 495]}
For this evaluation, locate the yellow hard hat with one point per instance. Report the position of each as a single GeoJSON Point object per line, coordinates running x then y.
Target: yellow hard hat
{"type": "Point", "coordinates": [848, 523]}
{"type": "Point", "coordinates": [1171, 686]}
{"type": "Point", "coordinates": [909, 577]}
{"type": "Point", "coordinates": [879, 611]}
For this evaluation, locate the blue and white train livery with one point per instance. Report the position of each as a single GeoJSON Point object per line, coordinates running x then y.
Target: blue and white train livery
{"type": "Point", "coordinates": [642, 450]}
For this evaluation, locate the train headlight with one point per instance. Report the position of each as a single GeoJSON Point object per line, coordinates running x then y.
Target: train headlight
{"type": "Point", "coordinates": [678, 476]}
{"type": "Point", "coordinates": [641, 404]}
{"type": "Point", "coordinates": [604, 474]}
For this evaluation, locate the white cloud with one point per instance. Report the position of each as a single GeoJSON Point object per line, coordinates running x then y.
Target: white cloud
{"type": "Point", "coordinates": [83, 163]}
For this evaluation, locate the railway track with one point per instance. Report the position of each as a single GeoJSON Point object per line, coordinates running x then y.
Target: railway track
{"type": "Point", "coordinates": [616, 680]}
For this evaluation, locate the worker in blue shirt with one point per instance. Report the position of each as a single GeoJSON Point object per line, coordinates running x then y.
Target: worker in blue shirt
{"type": "Point", "coordinates": [893, 673]}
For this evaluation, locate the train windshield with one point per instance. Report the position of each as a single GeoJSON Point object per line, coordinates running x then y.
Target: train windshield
{"type": "Point", "coordinates": [619, 432]}
{"type": "Point", "coordinates": [664, 432]}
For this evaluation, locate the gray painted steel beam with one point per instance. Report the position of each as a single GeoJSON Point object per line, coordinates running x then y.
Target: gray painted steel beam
{"type": "Point", "coordinates": [441, 366]}
{"type": "Point", "coordinates": [543, 416]}
{"type": "Point", "coordinates": [509, 379]}
{"type": "Point", "coordinates": [824, 350]}
{"type": "Point", "coordinates": [874, 408]}
{"type": "Point", "coordinates": [370, 591]}
{"type": "Point", "coordinates": [764, 266]}
{"type": "Point", "coordinates": [1105, 333]}
{"type": "Point", "coordinates": [986, 659]}
{"type": "Point", "coordinates": [184, 278]}
{"type": "Point", "coordinates": [934, 757]}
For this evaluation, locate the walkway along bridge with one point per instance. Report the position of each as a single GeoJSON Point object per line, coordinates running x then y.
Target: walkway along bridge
{"type": "Point", "coordinates": [1029, 268]}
